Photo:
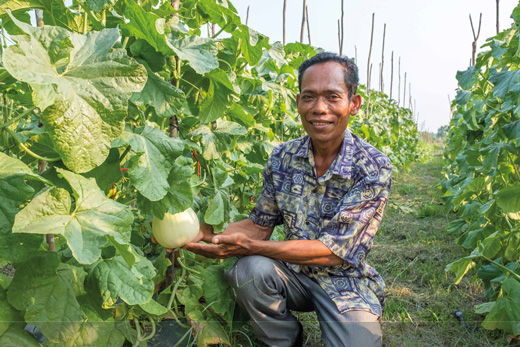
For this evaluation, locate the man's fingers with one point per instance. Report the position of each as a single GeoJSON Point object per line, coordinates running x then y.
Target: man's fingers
{"type": "Point", "coordinates": [225, 239]}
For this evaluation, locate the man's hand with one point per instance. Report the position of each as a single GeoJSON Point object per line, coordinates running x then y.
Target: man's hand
{"type": "Point", "coordinates": [222, 246]}
{"type": "Point", "coordinates": [205, 234]}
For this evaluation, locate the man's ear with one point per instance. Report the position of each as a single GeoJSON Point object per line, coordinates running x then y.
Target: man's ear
{"type": "Point", "coordinates": [297, 99]}
{"type": "Point", "coordinates": [355, 101]}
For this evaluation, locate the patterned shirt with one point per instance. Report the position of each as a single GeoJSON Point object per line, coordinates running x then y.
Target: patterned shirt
{"type": "Point", "coordinates": [342, 209]}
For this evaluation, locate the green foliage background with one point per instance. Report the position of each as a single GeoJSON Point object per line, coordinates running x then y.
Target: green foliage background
{"type": "Point", "coordinates": [482, 178]}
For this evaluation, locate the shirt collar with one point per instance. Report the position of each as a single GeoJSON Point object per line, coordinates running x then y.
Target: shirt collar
{"type": "Point", "coordinates": [342, 165]}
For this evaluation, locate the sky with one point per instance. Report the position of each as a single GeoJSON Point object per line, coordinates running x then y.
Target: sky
{"type": "Point", "coordinates": [432, 38]}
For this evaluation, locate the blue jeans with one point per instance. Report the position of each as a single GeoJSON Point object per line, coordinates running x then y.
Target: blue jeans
{"type": "Point", "coordinates": [268, 291]}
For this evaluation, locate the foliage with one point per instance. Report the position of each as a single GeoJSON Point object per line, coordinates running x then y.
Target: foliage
{"type": "Point", "coordinates": [481, 183]}
{"type": "Point", "coordinates": [94, 95]}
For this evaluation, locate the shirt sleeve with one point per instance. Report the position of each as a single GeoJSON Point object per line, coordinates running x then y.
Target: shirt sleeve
{"type": "Point", "coordinates": [350, 233]}
{"type": "Point", "coordinates": [266, 211]}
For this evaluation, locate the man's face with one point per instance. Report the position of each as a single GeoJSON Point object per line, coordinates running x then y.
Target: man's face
{"type": "Point", "coordinates": [323, 104]}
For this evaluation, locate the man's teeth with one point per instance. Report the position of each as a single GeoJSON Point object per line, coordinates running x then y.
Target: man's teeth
{"type": "Point", "coordinates": [320, 123]}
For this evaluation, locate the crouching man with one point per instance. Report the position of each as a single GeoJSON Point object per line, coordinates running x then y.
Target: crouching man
{"type": "Point", "coordinates": [329, 189]}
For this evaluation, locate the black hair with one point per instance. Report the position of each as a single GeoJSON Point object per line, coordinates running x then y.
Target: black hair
{"type": "Point", "coordinates": [351, 75]}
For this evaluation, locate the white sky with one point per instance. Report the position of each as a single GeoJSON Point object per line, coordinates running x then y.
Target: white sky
{"type": "Point", "coordinates": [432, 37]}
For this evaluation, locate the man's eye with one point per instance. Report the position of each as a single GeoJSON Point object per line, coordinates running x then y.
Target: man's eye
{"type": "Point", "coordinates": [333, 97]}
{"type": "Point", "coordinates": [306, 97]}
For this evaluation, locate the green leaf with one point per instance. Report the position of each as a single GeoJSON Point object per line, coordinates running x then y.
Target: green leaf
{"type": "Point", "coordinates": [86, 228]}
{"type": "Point", "coordinates": [155, 155]}
{"type": "Point", "coordinates": [219, 139]}
{"type": "Point", "coordinates": [215, 214]}
{"type": "Point", "coordinates": [8, 314]}
{"type": "Point", "coordinates": [113, 278]}
{"type": "Point", "coordinates": [14, 192]}
{"type": "Point", "coordinates": [201, 53]}
{"type": "Point", "coordinates": [214, 105]}
{"type": "Point", "coordinates": [512, 130]}
{"type": "Point", "coordinates": [460, 267]}
{"type": "Point", "coordinates": [505, 81]}
{"type": "Point", "coordinates": [82, 86]}
{"type": "Point", "coordinates": [153, 307]}
{"type": "Point", "coordinates": [505, 314]}
{"type": "Point", "coordinates": [97, 5]}
{"type": "Point", "coordinates": [97, 331]}
{"type": "Point", "coordinates": [467, 78]}
{"type": "Point", "coordinates": [508, 199]}
{"type": "Point", "coordinates": [145, 25]}
{"type": "Point", "coordinates": [41, 288]}
{"type": "Point", "coordinates": [178, 198]}
{"type": "Point", "coordinates": [165, 98]}
{"type": "Point", "coordinates": [15, 336]}
{"type": "Point", "coordinates": [107, 173]}
{"type": "Point", "coordinates": [217, 292]}
{"type": "Point", "coordinates": [237, 114]}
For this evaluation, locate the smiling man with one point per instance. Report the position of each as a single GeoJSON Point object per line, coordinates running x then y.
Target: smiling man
{"type": "Point", "coordinates": [329, 190]}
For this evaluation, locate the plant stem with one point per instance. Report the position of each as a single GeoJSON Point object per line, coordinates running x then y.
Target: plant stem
{"type": "Point", "coordinates": [219, 32]}
{"type": "Point", "coordinates": [85, 23]}
{"type": "Point", "coordinates": [125, 42]}
{"type": "Point", "coordinates": [23, 147]}
{"type": "Point", "coordinates": [138, 330]}
{"type": "Point", "coordinates": [148, 337]}
{"type": "Point", "coordinates": [17, 118]}
{"type": "Point", "coordinates": [184, 267]}
{"type": "Point", "coordinates": [514, 274]}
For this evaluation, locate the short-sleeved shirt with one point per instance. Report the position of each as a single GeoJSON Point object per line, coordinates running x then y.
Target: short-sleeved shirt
{"type": "Point", "coordinates": [342, 209]}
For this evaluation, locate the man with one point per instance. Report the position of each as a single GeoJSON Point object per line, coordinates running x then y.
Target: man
{"type": "Point", "coordinates": [329, 189]}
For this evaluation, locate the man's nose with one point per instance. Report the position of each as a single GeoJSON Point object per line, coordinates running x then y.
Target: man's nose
{"type": "Point", "coordinates": [320, 106]}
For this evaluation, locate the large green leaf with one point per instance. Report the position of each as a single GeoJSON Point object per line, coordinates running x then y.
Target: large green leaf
{"type": "Point", "coordinates": [113, 278]}
{"type": "Point", "coordinates": [150, 167]}
{"type": "Point", "coordinates": [81, 84]}
{"type": "Point", "coordinates": [14, 192]}
{"type": "Point", "coordinates": [8, 314]}
{"type": "Point", "coordinates": [200, 52]}
{"type": "Point", "coordinates": [165, 98]}
{"type": "Point", "coordinates": [41, 287]}
{"type": "Point", "coordinates": [96, 331]}
{"type": "Point", "coordinates": [86, 227]}
{"type": "Point", "coordinates": [219, 139]}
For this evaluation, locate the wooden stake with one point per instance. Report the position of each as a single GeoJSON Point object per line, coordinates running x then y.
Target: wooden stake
{"type": "Point", "coordinates": [370, 52]}
{"type": "Point", "coordinates": [355, 52]}
{"type": "Point", "coordinates": [382, 85]}
{"type": "Point", "coordinates": [284, 10]}
{"type": "Point", "coordinates": [308, 26]}
{"type": "Point", "coordinates": [303, 21]}
{"type": "Point", "coordinates": [339, 38]}
{"type": "Point", "coordinates": [247, 15]}
{"type": "Point", "coordinates": [392, 75]}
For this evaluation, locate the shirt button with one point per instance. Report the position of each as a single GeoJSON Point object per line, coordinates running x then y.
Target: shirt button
{"type": "Point", "coordinates": [307, 222]}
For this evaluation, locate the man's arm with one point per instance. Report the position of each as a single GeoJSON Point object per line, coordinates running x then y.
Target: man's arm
{"type": "Point", "coordinates": [247, 238]}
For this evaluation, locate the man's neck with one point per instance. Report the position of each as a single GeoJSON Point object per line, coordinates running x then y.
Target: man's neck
{"type": "Point", "coordinates": [324, 157]}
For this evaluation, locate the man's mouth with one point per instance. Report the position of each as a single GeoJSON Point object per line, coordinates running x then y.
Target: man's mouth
{"type": "Point", "coordinates": [320, 123]}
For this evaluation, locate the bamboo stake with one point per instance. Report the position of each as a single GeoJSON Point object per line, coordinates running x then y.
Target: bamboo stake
{"type": "Point", "coordinates": [42, 164]}
{"type": "Point", "coordinates": [392, 75]}
{"type": "Point", "coordinates": [382, 85]}
{"type": "Point", "coordinates": [404, 92]}
{"type": "Point", "coordinates": [399, 85]}
{"type": "Point", "coordinates": [475, 38]}
{"type": "Point", "coordinates": [173, 132]}
{"type": "Point", "coordinates": [284, 10]}
{"type": "Point", "coordinates": [341, 31]}
{"type": "Point", "coordinates": [308, 26]}
{"type": "Point", "coordinates": [247, 15]}
{"type": "Point", "coordinates": [355, 52]}
{"type": "Point", "coordinates": [303, 21]}
{"type": "Point", "coordinates": [498, 15]}
{"type": "Point", "coordinates": [370, 52]}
